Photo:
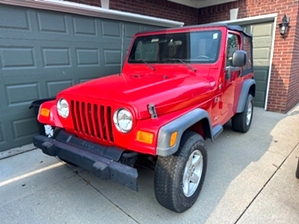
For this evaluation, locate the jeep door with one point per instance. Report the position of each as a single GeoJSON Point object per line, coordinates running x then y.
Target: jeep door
{"type": "Point", "coordinates": [231, 77]}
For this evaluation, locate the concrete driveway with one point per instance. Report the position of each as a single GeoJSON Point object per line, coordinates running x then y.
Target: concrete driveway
{"type": "Point", "coordinates": [250, 179]}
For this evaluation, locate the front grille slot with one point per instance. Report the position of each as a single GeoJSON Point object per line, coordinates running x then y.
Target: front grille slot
{"type": "Point", "coordinates": [92, 120]}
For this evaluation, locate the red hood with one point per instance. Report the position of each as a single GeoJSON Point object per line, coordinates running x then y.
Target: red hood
{"type": "Point", "coordinates": [167, 93]}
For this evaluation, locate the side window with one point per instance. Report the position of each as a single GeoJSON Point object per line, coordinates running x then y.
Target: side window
{"type": "Point", "coordinates": [204, 46]}
{"type": "Point", "coordinates": [232, 46]}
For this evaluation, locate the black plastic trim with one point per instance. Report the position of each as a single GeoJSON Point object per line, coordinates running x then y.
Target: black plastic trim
{"type": "Point", "coordinates": [102, 161]}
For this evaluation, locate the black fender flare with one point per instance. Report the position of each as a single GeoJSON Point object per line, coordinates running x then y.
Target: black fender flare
{"type": "Point", "coordinates": [179, 125]}
{"type": "Point", "coordinates": [247, 84]}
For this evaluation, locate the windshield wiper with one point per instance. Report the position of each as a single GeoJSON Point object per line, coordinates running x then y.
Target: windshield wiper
{"type": "Point", "coordinates": [149, 65]}
{"type": "Point", "coordinates": [182, 61]}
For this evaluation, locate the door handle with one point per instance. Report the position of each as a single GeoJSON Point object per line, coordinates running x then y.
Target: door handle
{"type": "Point", "coordinates": [228, 73]}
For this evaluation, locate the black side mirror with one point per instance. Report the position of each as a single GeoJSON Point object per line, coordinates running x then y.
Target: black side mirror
{"type": "Point", "coordinates": [239, 58]}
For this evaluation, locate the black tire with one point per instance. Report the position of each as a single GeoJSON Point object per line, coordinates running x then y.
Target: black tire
{"type": "Point", "coordinates": [297, 170]}
{"type": "Point", "coordinates": [170, 174]}
{"type": "Point", "coordinates": [241, 122]}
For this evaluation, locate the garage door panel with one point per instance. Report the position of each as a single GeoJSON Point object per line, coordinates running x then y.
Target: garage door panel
{"type": "Point", "coordinates": [20, 94]}
{"type": "Point", "coordinates": [111, 29]}
{"type": "Point", "coordinates": [23, 128]}
{"type": "Point", "coordinates": [88, 57]}
{"type": "Point", "coordinates": [17, 57]}
{"type": "Point", "coordinates": [264, 29]}
{"type": "Point", "coordinates": [112, 57]}
{"type": "Point", "coordinates": [264, 42]}
{"type": "Point", "coordinates": [258, 100]}
{"type": "Point", "coordinates": [18, 98]}
{"type": "Point", "coordinates": [14, 18]}
{"type": "Point", "coordinates": [55, 54]}
{"type": "Point", "coordinates": [131, 29]}
{"type": "Point", "coordinates": [261, 54]}
{"type": "Point", "coordinates": [261, 63]}
{"type": "Point", "coordinates": [55, 87]}
{"type": "Point", "coordinates": [84, 26]}
{"type": "Point", "coordinates": [18, 128]}
{"type": "Point", "coordinates": [261, 87]}
{"type": "Point", "coordinates": [51, 22]}
{"type": "Point", "coordinates": [261, 73]}
{"type": "Point", "coordinates": [56, 57]}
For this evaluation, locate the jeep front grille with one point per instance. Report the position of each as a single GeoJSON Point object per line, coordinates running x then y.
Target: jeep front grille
{"type": "Point", "coordinates": [92, 120]}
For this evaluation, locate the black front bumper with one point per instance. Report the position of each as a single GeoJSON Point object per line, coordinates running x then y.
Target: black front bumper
{"type": "Point", "coordinates": [102, 161]}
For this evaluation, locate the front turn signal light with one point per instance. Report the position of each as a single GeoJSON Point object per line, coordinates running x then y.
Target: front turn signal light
{"type": "Point", "coordinates": [145, 137]}
{"type": "Point", "coordinates": [173, 138]}
{"type": "Point", "coordinates": [44, 112]}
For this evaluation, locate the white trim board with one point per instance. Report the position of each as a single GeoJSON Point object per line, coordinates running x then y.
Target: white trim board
{"type": "Point", "coordinates": [87, 10]}
{"type": "Point", "coordinates": [253, 19]}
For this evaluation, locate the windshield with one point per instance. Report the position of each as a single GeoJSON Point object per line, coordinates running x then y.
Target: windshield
{"type": "Point", "coordinates": [190, 47]}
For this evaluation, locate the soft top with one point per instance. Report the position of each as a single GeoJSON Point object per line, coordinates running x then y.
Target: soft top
{"type": "Point", "coordinates": [208, 25]}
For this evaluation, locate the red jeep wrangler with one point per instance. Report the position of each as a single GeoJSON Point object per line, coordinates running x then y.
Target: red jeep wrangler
{"type": "Point", "coordinates": [177, 88]}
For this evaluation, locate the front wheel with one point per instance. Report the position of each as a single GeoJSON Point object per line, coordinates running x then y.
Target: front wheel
{"type": "Point", "coordinates": [241, 122]}
{"type": "Point", "coordinates": [179, 178]}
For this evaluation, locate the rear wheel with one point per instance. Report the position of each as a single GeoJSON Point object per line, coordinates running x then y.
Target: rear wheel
{"type": "Point", "coordinates": [241, 122]}
{"type": "Point", "coordinates": [179, 177]}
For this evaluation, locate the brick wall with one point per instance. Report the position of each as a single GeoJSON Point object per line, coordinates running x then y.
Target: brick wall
{"type": "Point", "coordinates": [157, 8]}
{"type": "Point", "coordinates": [284, 83]}
{"type": "Point", "coordinates": [293, 93]}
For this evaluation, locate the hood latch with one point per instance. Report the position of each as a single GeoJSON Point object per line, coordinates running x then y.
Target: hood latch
{"type": "Point", "coordinates": [152, 110]}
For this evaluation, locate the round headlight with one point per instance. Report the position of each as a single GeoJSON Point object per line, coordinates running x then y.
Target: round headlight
{"type": "Point", "coordinates": [123, 120]}
{"type": "Point", "coordinates": [63, 108]}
